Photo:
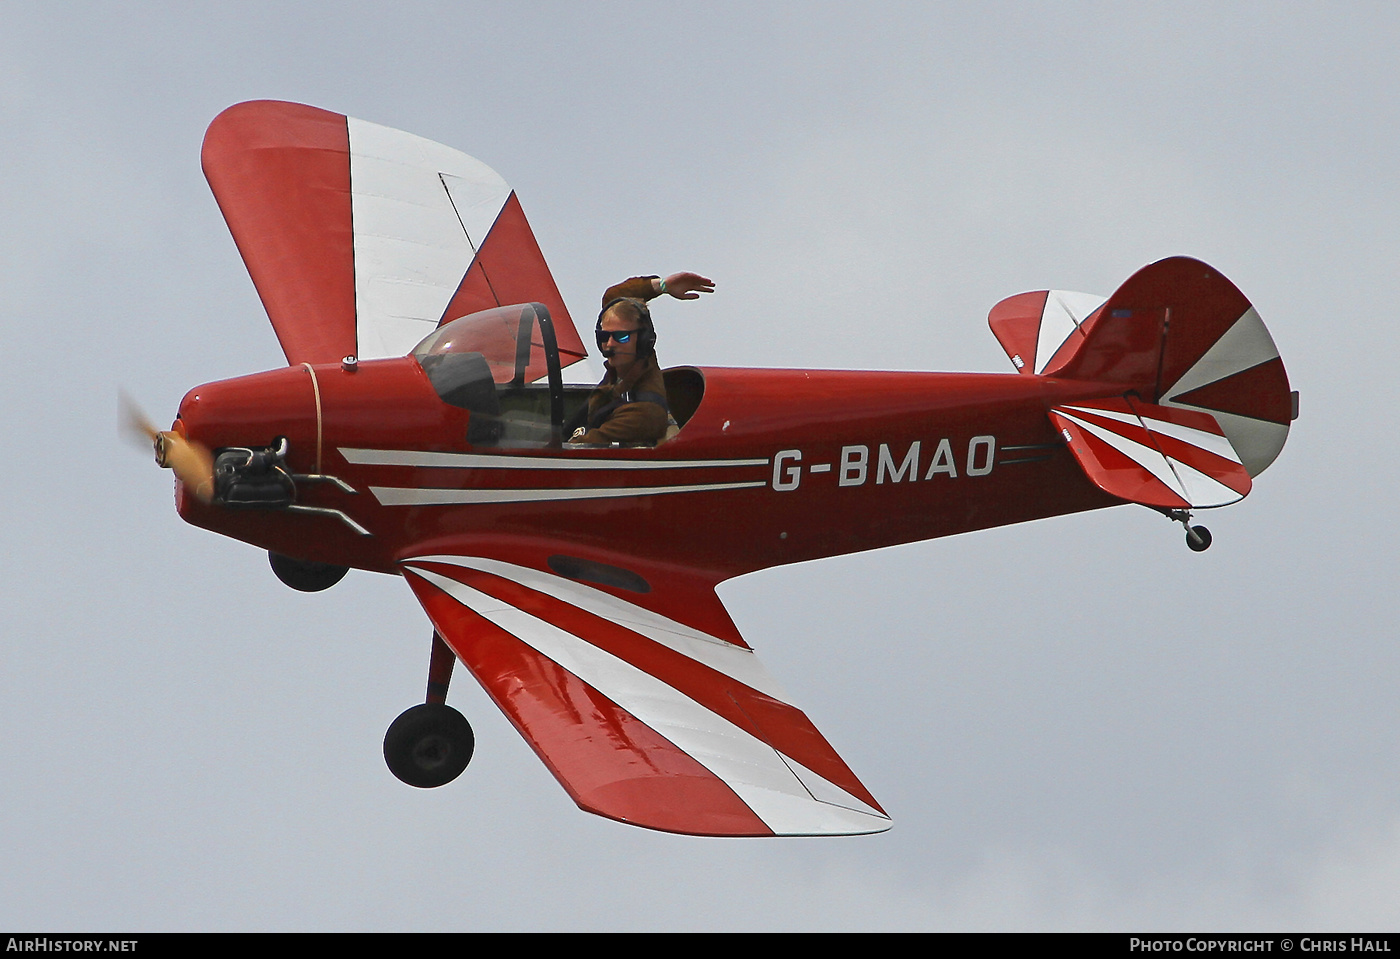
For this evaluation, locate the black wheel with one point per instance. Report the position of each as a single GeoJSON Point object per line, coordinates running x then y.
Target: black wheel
{"type": "Point", "coordinates": [1198, 539]}
{"type": "Point", "coordinates": [429, 745]}
{"type": "Point", "coordinates": [305, 575]}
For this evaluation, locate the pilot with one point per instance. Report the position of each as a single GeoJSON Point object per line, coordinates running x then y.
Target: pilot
{"type": "Point", "coordinates": [629, 404]}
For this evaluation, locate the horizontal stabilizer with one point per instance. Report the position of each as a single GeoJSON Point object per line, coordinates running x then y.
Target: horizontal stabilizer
{"type": "Point", "coordinates": [1154, 455]}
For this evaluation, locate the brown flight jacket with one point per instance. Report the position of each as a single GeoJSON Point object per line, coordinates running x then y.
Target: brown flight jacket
{"type": "Point", "coordinates": [641, 421]}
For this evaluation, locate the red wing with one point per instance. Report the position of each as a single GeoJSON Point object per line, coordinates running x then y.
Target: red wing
{"type": "Point", "coordinates": [361, 239]}
{"type": "Point", "coordinates": [641, 717]}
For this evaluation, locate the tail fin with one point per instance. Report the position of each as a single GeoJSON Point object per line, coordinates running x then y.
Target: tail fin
{"type": "Point", "coordinates": [1193, 363]}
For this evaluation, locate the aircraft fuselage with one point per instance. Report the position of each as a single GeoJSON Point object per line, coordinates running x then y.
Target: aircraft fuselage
{"type": "Point", "coordinates": [773, 467]}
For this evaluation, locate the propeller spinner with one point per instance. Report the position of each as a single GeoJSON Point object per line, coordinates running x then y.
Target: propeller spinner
{"type": "Point", "coordinates": [192, 463]}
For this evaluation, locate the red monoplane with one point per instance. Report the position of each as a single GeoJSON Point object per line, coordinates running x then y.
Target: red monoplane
{"type": "Point", "coordinates": [417, 431]}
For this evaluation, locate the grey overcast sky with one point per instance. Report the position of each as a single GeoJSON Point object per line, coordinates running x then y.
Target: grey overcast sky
{"type": "Point", "coordinates": [1076, 724]}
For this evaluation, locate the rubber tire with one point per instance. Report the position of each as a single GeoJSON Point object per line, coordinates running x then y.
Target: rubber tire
{"type": "Point", "coordinates": [429, 745]}
{"type": "Point", "coordinates": [305, 575]}
{"type": "Point", "coordinates": [1203, 545]}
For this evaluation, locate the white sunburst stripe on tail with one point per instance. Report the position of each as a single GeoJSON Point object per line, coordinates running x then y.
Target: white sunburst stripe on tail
{"type": "Point", "coordinates": [1203, 491]}
{"type": "Point", "coordinates": [1256, 441]}
{"type": "Point", "coordinates": [1145, 456]}
{"type": "Point", "coordinates": [764, 779]}
{"type": "Point", "coordinates": [1194, 487]}
{"type": "Point", "coordinates": [1214, 443]}
{"type": "Point", "coordinates": [1245, 344]}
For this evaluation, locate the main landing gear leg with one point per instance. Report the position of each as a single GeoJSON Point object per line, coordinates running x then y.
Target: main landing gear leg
{"type": "Point", "coordinates": [439, 670]}
{"type": "Point", "coordinates": [1197, 537]}
{"type": "Point", "coordinates": [430, 744]}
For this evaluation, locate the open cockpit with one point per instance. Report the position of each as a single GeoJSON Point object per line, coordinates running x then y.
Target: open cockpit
{"type": "Point", "coordinates": [502, 365]}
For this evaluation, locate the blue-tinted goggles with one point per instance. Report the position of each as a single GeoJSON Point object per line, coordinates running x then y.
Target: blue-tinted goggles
{"type": "Point", "coordinates": [621, 336]}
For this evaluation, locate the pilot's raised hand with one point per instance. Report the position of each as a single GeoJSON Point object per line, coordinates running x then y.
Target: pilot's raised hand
{"type": "Point", "coordinates": [685, 286]}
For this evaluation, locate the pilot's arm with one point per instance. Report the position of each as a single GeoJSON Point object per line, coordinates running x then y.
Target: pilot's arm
{"type": "Point", "coordinates": [683, 286]}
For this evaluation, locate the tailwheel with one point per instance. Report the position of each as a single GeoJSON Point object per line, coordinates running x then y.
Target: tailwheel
{"type": "Point", "coordinates": [429, 745]}
{"type": "Point", "coordinates": [1197, 537]}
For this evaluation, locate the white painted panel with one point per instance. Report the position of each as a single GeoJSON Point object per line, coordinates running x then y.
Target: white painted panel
{"type": "Point", "coordinates": [1210, 442]}
{"type": "Point", "coordinates": [477, 203]}
{"type": "Point", "coordinates": [1257, 441]}
{"type": "Point", "coordinates": [411, 241]}
{"type": "Point", "coordinates": [1203, 491]}
{"type": "Point", "coordinates": [1064, 312]}
{"type": "Point", "coordinates": [1246, 343]}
